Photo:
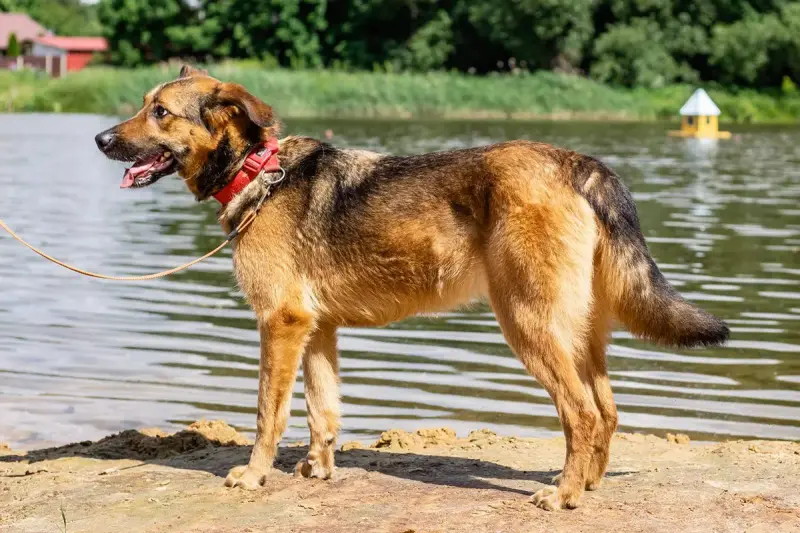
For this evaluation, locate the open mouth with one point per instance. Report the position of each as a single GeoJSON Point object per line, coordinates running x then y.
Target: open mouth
{"type": "Point", "coordinates": [147, 170]}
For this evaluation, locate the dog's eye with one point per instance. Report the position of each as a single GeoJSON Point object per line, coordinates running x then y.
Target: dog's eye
{"type": "Point", "coordinates": [160, 111]}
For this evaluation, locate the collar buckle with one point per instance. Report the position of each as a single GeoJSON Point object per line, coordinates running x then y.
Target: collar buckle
{"type": "Point", "coordinates": [268, 184]}
{"type": "Point", "coordinates": [261, 161]}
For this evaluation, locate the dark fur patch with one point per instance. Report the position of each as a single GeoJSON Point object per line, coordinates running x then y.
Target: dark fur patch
{"type": "Point", "coordinates": [309, 165]}
{"type": "Point", "coordinates": [218, 170]}
{"type": "Point", "coordinates": [391, 169]}
{"type": "Point", "coordinates": [427, 172]}
{"type": "Point", "coordinates": [608, 196]}
{"type": "Point", "coordinates": [678, 322]}
{"type": "Point", "coordinates": [461, 209]}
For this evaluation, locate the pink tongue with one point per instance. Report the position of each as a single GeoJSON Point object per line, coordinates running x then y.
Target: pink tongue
{"type": "Point", "coordinates": [137, 170]}
{"type": "Point", "coordinates": [127, 179]}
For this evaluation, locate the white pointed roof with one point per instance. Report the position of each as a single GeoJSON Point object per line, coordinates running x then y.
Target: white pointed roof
{"type": "Point", "coordinates": [699, 104]}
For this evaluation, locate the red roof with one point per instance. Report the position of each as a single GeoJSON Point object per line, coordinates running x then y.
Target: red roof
{"type": "Point", "coordinates": [74, 44]}
{"type": "Point", "coordinates": [20, 24]}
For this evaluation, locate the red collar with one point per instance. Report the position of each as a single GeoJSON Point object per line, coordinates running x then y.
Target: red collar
{"type": "Point", "coordinates": [263, 158]}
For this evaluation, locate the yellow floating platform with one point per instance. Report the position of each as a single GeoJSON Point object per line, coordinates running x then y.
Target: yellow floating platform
{"type": "Point", "coordinates": [699, 118]}
{"type": "Point", "coordinates": [701, 134]}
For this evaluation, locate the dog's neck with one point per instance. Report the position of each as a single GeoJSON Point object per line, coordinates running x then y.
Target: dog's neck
{"type": "Point", "coordinates": [291, 152]}
{"type": "Point", "coordinates": [259, 163]}
{"type": "Point", "coordinates": [220, 168]}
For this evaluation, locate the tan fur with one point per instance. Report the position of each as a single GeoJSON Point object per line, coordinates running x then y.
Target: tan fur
{"type": "Point", "coordinates": [533, 257]}
{"type": "Point", "coordinates": [506, 222]}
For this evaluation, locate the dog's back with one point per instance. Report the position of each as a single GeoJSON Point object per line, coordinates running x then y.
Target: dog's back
{"type": "Point", "coordinates": [414, 232]}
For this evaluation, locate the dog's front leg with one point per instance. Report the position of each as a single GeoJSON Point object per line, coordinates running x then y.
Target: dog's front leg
{"type": "Point", "coordinates": [284, 334]}
{"type": "Point", "coordinates": [321, 380]}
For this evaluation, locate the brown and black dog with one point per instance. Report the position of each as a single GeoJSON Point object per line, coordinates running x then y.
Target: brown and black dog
{"type": "Point", "coordinates": [349, 237]}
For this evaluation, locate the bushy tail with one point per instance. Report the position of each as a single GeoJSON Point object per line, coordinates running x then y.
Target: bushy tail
{"type": "Point", "coordinates": [639, 295]}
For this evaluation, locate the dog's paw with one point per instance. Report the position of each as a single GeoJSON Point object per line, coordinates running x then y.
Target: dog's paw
{"type": "Point", "coordinates": [547, 499]}
{"type": "Point", "coordinates": [313, 467]}
{"type": "Point", "coordinates": [553, 499]}
{"type": "Point", "coordinates": [246, 478]}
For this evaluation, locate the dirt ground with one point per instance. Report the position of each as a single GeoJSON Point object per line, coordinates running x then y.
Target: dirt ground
{"type": "Point", "coordinates": [425, 482]}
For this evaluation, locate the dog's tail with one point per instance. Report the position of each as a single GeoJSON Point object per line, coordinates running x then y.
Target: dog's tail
{"type": "Point", "coordinates": [638, 294]}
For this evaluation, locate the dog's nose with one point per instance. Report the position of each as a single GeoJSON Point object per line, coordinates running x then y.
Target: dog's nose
{"type": "Point", "coordinates": [104, 139]}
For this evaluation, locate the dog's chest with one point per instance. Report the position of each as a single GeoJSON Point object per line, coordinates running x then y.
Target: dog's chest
{"type": "Point", "coordinates": [264, 266]}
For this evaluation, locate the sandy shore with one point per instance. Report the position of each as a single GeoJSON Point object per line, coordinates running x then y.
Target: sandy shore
{"type": "Point", "coordinates": [429, 481]}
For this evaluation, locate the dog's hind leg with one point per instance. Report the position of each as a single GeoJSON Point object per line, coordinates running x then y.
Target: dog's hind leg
{"type": "Point", "coordinates": [595, 378]}
{"type": "Point", "coordinates": [539, 264]}
{"type": "Point", "coordinates": [284, 334]}
{"type": "Point", "coordinates": [321, 381]}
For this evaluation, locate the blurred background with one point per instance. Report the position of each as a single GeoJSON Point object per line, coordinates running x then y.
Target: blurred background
{"type": "Point", "coordinates": [585, 58]}
{"type": "Point", "coordinates": [81, 358]}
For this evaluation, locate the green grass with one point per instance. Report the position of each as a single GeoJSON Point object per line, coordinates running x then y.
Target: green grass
{"type": "Point", "coordinates": [296, 94]}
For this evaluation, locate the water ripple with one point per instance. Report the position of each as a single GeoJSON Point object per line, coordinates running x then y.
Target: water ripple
{"type": "Point", "coordinates": [81, 358]}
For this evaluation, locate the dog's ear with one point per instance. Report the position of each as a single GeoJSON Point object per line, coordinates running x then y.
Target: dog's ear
{"type": "Point", "coordinates": [233, 94]}
{"type": "Point", "coordinates": [188, 71]}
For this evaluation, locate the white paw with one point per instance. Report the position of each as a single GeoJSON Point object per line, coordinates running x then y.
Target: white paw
{"type": "Point", "coordinates": [547, 499]}
{"type": "Point", "coordinates": [310, 467]}
{"type": "Point", "coordinates": [246, 478]}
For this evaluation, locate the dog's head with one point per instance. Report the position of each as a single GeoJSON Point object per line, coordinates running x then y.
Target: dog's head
{"type": "Point", "coordinates": [197, 126]}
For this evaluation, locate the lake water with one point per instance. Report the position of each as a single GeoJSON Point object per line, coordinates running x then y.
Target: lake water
{"type": "Point", "coordinates": [81, 358]}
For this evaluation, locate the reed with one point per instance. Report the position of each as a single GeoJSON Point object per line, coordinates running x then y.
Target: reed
{"type": "Point", "coordinates": [438, 95]}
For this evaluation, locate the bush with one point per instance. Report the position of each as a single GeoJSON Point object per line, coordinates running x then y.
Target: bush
{"type": "Point", "coordinates": [743, 51]}
{"type": "Point", "coordinates": [635, 55]}
{"type": "Point", "coordinates": [12, 50]}
{"type": "Point", "coordinates": [429, 47]}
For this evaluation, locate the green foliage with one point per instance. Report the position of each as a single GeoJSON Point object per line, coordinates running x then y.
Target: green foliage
{"type": "Point", "coordinates": [741, 51]}
{"type": "Point", "coordinates": [429, 47]}
{"type": "Point", "coordinates": [544, 33]}
{"type": "Point", "coordinates": [286, 30]}
{"type": "Point", "coordinates": [145, 31]}
{"type": "Point", "coordinates": [652, 42]}
{"type": "Point", "coordinates": [634, 54]}
{"type": "Point", "coordinates": [63, 17]}
{"type": "Point", "coordinates": [632, 43]}
{"type": "Point", "coordinates": [12, 49]}
{"type": "Point", "coordinates": [392, 34]}
{"type": "Point", "coordinates": [788, 87]}
{"type": "Point", "coordinates": [790, 55]}
{"type": "Point", "coordinates": [326, 93]}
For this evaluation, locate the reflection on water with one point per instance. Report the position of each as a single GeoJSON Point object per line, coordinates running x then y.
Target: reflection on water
{"type": "Point", "coordinates": [80, 358]}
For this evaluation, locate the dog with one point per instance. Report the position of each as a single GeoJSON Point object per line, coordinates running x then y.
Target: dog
{"type": "Point", "coordinates": [354, 238]}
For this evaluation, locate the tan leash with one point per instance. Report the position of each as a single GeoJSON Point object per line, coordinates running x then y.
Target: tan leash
{"type": "Point", "coordinates": [246, 222]}
{"type": "Point", "coordinates": [251, 216]}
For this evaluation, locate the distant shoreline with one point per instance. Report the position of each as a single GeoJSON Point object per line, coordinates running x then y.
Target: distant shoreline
{"type": "Point", "coordinates": [367, 95]}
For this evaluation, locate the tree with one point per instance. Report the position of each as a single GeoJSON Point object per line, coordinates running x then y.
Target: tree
{"type": "Point", "coordinates": [749, 50]}
{"type": "Point", "coordinates": [146, 31]}
{"type": "Point", "coordinates": [544, 33]}
{"type": "Point", "coordinates": [627, 42]}
{"type": "Point", "coordinates": [403, 34]}
{"type": "Point", "coordinates": [63, 17]}
{"type": "Point", "coordinates": [429, 47]}
{"type": "Point", "coordinates": [790, 15]}
{"type": "Point", "coordinates": [636, 54]}
{"type": "Point", "coordinates": [12, 50]}
{"type": "Point", "coordinates": [289, 31]}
